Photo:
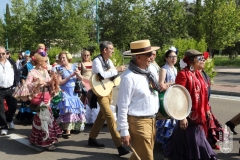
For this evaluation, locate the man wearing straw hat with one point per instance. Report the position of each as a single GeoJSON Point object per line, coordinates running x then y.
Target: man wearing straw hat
{"type": "Point", "coordinates": [138, 101]}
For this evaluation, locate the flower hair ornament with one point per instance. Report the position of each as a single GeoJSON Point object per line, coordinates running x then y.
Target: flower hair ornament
{"type": "Point", "coordinates": [184, 62]}
{"type": "Point", "coordinates": [42, 52]}
{"type": "Point", "coordinates": [33, 58]}
{"type": "Point", "coordinates": [69, 56]}
{"type": "Point", "coordinates": [205, 55]}
{"type": "Point", "coordinates": [174, 49]}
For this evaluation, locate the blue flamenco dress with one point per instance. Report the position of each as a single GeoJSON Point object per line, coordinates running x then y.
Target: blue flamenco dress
{"type": "Point", "coordinates": [71, 109]}
{"type": "Point", "coordinates": [164, 128]}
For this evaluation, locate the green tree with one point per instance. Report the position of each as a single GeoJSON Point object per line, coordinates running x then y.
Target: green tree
{"type": "Point", "coordinates": [29, 39]}
{"type": "Point", "coordinates": [7, 19]}
{"type": "Point", "coordinates": [76, 25]}
{"type": "Point", "coordinates": [221, 23]}
{"type": "Point", "coordinates": [194, 20]}
{"type": "Point", "coordinates": [2, 40]}
{"type": "Point", "coordinates": [15, 26]}
{"type": "Point", "coordinates": [123, 21]}
{"type": "Point", "coordinates": [168, 21]}
{"type": "Point", "coordinates": [48, 22]}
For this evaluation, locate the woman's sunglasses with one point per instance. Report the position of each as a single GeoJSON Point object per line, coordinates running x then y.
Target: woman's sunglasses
{"type": "Point", "coordinates": [200, 58]}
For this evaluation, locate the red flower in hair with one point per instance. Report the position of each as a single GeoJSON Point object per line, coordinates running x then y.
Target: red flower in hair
{"type": "Point", "coordinates": [205, 55]}
{"type": "Point", "coordinates": [186, 60]}
{"type": "Point", "coordinates": [33, 59]}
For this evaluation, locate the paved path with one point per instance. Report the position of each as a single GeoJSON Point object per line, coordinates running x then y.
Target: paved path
{"type": "Point", "coordinates": [227, 81]}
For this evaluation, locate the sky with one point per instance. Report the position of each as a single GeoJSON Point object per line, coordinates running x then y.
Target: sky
{"type": "Point", "coordinates": [4, 2]}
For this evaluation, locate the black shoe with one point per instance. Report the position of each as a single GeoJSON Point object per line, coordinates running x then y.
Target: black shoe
{"type": "Point", "coordinates": [66, 136]}
{"type": "Point", "coordinates": [231, 126]}
{"type": "Point", "coordinates": [122, 151]}
{"type": "Point", "coordinates": [94, 143]}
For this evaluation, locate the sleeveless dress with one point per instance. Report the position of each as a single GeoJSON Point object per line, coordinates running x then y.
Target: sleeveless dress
{"type": "Point", "coordinates": [86, 72]}
{"type": "Point", "coordinates": [71, 109]}
{"type": "Point", "coordinates": [165, 127]}
{"type": "Point", "coordinates": [44, 132]}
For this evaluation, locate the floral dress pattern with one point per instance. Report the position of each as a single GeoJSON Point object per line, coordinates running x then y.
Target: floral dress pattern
{"type": "Point", "coordinates": [43, 134]}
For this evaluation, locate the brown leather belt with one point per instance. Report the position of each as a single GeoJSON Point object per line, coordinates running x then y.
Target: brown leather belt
{"type": "Point", "coordinates": [145, 117]}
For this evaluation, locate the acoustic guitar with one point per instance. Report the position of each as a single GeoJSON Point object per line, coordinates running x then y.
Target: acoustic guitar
{"type": "Point", "coordinates": [103, 87]}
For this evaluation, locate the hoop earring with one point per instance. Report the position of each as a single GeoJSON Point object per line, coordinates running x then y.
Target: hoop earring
{"type": "Point", "coordinates": [191, 68]}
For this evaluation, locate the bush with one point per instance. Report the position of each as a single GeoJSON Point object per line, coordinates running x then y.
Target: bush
{"type": "Point", "coordinates": [52, 54]}
{"type": "Point", "coordinates": [209, 69]}
{"type": "Point", "coordinates": [226, 61]}
{"type": "Point", "coordinates": [183, 45]}
{"type": "Point", "coordinates": [14, 56]}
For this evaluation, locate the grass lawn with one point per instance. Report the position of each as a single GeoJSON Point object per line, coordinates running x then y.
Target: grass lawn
{"type": "Point", "coordinates": [225, 61]}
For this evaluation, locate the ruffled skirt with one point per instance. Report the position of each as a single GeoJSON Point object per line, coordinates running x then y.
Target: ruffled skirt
{"type": "Point", "coordinates": [71, 113]}
{"type": "Point", "coordinates": [164, 131]}
{"type": "Point", "coordinates": [37, 134]}
{"type": "Point", "coordinates": [189, 144]}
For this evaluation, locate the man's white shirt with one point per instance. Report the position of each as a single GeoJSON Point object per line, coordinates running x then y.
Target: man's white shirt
{"type": "Point", "coordinates": [135, 99]}
{"type": "Point", "coordinates": [98, 68]}
{"type": "Point", "coordinates": [6, 75]}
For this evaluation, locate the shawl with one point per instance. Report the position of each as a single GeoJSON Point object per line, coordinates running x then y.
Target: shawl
{"type": "Point", "coordinates": [197, 87]}
{"type": "Point", "coordinates": [135, 69]}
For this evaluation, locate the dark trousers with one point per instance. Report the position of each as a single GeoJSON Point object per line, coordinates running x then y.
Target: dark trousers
{"type": "Point", "coordinates": [12, 105]}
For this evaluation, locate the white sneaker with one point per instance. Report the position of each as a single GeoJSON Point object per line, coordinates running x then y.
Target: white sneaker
{"type": "Point", "coordinates": [11, 125]}
{"type": "Point", "coordinates": [4, 132]}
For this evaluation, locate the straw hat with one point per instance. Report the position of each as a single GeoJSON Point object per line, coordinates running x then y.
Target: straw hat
{"type": "Point", "coordinates": [140, 47]}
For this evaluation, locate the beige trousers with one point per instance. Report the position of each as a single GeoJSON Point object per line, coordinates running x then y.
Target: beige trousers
{"type": "Point", "coordinates": [142, 132]}
{"type": "Point", "coordinates": [105, 113]}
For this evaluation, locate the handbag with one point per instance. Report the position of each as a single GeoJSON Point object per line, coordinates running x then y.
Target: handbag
{"type": "Point", "coordinates": [80, 88]}
{"type": "Point", "coordinates": [36, 107]}
{"type": "Point", "coordinates": [77, 88]}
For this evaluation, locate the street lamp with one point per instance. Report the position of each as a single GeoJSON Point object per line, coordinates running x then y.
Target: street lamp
{"type": "Point", "coordinates": [97, 36]}
{"type": "Point", "coordinates": [7, 43]}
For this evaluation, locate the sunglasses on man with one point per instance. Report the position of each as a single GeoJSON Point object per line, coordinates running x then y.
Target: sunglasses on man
{"type": "Point", "coordinates": [149, 54]}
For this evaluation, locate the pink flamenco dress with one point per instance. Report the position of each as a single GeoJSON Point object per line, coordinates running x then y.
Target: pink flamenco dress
{"type": "Point", "coordinates": [45, 130]}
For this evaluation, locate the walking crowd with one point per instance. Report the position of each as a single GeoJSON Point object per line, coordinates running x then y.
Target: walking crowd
{"type": "Point", "coordinates": [58, 100]}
